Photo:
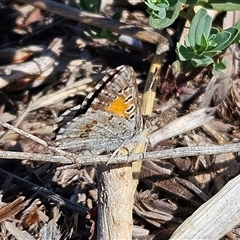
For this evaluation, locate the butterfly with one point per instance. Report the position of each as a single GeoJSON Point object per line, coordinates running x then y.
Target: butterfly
{"type": "Point", "coordinates": [112, 121]}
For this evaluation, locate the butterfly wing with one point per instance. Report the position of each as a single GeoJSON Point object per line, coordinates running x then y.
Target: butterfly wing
{"type": "Point", "coordinates": [112, 119]}
{"type": "Point", "coordinates": [120, 97]}
{"type": "Point", "coordinates": [87, 133]}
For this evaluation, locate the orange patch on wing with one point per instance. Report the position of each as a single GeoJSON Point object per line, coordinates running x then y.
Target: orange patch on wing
{"type": "Point", "coordinates": [118, 107]}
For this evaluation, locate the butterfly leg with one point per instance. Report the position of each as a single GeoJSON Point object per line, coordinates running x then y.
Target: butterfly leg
{"type": "Point", "coordinates": [122, 150]}
{"type": "Point", "coordinates": [126, 149]}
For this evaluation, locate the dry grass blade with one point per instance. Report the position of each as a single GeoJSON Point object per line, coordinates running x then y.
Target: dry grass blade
{"type": "Point", "coordinates": [11, 209]}
{"type": "Point", "coordinates": [209, 220]}
{"type": "Point", "coordinates": [155, 155]}
{"type": "Point", "coordinates": [182, 125]}
{"type": "Point", "coordinates": [18, 234]}
{"type": "Point", "coordinates": [148, 102]}
{"type": "Point", "coordinates": [98, 21]}
{"type": "Point", "coordinates": [15, 55]}
{"type": "Point", "coordinates": [45, 192]}
{"type": "Point", "coordinates": [51, 228]}
{"type": "Point", "coordinates": [32, 68]}
{"type": "Point", "coordinates": [156, 212]}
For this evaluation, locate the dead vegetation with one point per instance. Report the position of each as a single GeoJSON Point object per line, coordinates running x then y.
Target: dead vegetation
{"type": "Point", "coordinates": [47, 66]}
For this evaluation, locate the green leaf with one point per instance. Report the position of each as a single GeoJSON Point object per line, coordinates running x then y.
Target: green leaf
{"type": "Point", "coordinates": [235, 31]}
{"type": "Point", "coordinates": [160, 14]}
{"type": "Point", "coordinates": [218, 67]}
{"type": "Point", "coordinates": [221, 65]}
{"type": "Point", "coordinates": [176, 67]}
{"type": "Point", "coordinates": [222, 5]}
{"type": "Point", "coordinates": [212, 53]}
{"type": "Point", "coordinates": [204, 42]}
{"type": "Point", "coordinates": [105, 33]}
{"type": "Point", "coordinates": [213, 31]}
{"type": "Point", "coordinates": [117, 16]}
{"type": "Point", "coordinates": [201, 24]}
{"type": "Point", "coordinates": [223, 39]}
{"type": "Point", "coordinates": [157, 9]}
{"type": "Point", "coordinates": [201, 61]}
{"type": "Point", "coordinates": [171, 14]}
{"type": "Point", "coordinates": [185, 53]}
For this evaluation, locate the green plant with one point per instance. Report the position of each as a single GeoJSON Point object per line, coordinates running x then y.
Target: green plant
{"type": "Point", "coordinates": [158, 8]}
{"type": "Point", "coordinates": [204, 44]}
{"type": "Point", "coordinates": [162, 13]}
